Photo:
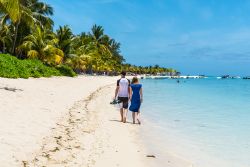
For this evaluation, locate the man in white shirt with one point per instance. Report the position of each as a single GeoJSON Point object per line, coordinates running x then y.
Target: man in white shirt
{"type": "Point", "coordinates": [122, 92]}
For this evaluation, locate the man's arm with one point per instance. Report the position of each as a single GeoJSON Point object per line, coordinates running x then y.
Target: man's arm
{"type": "Point", "coordinates": [116, 91]}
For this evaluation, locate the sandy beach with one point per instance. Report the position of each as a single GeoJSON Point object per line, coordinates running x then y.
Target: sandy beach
{"type": "Point", "coordinates": [178, 69]}
{"type": "Point", "coordinates": [69, 122]}
{"type": "Point", "coordinates": [64, 122]}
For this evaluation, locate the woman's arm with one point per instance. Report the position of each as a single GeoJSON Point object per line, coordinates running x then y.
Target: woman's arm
{"type": "Point", "coordinates": [141, 94]}
{"type": "Point", "coordinates": [130, 93]}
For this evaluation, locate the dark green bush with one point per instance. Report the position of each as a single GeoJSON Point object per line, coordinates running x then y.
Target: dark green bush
{"type": "Point", "coordinates": [11, 67]}
{"type": "Point", "coordinates": [66, 70]}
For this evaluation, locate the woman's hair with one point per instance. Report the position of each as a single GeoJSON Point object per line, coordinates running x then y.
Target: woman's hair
{"type": "Point", "coordinates": [134, 80]}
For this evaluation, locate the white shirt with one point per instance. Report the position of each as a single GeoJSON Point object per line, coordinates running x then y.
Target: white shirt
{"type": "Point", "coordinates": [123, 84]}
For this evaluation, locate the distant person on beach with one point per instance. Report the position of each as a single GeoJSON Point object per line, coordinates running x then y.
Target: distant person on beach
{"type": "Point", "coordinates": [136, 99]}
{"type": "Point", "coordinates": [122, 93]}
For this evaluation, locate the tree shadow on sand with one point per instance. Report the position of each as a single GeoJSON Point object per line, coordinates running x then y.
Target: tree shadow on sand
{"type": "Point", "coordinates": [11, 89]}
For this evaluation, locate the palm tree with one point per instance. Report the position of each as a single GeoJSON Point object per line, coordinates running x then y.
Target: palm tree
{"type": "Point", "coordinates": [115, 50]}
{"type": "Point", "coordinates": [11, 10]}
{"type": "Point", "coordinates": [79, 63]}
{"type": "Point", "coordinates": [100, 40]}
{"type": "Point", "coordinates": [30, 12]}
{"type": "Point", "coordinates": [10, 7]}
{"type": "Point", "coordinates": [84, 50]}
{"type": "Point", "coordinates": [41, 44]}
{"type": "Point", "coordinates": [97, 32]}
{"type": "Point", "coordinates": [41, 12]}
{"type": "Point", "coordinates": [64, 36]}
{"type": "Point", "coordinates": [5, 38]}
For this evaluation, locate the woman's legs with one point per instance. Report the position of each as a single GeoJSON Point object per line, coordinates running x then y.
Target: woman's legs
{"type": "Point", "coordinates": [137, 117]}
{"type": "Point", "coordinates": [133, 116]}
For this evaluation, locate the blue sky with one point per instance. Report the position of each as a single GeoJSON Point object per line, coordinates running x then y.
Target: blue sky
{"type": "Point", "coordinates": [209, 37]}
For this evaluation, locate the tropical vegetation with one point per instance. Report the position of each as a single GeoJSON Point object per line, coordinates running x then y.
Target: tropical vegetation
{"type": "Point", "coordinates": [12, 67]}
{"type": "Point", "coordinates": [26, 32]}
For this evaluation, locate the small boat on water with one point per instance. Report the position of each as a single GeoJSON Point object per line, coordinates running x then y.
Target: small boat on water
{"type": "Point", "coordinates": [235, 77]}
{"type": "Point", "coordinates": [156, 77]}
{"type": "Point", "coordinates": [228, 77]}
{"type": "Point", "coordinates": [225, 77]}
{"type": "Point", "coordinates": [246, 77]}
{"type": "Point", "coordinates": [173, 77]}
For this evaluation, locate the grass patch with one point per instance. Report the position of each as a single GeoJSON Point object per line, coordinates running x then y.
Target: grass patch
{"type": "Point", "coordinates": [12, 67]}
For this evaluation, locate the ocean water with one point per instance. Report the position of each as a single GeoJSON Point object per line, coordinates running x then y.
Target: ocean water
{"type": "Point", "coordinates": [203, 121]}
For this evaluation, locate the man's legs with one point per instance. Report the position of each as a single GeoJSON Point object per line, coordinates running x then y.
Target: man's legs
{"type": "Point", "coordinates": [125, 111]}
{"type": "Point", "coordinates": [121, 111]}
{"type": "Point", "coordinates": [123, 108]}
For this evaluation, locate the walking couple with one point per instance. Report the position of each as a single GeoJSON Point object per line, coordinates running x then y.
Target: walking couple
{"type": "Point", "coordinates": [129, 92]}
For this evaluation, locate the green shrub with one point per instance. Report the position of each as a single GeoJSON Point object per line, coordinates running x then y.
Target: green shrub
{"type": "Point", "coordinates": [11, 67]}
{"type": "Point", "coordinates": [66, 70]}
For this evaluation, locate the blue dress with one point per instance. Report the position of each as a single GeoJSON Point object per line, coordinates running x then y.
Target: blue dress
{"type": "Point", "coordinates": [136, 98]}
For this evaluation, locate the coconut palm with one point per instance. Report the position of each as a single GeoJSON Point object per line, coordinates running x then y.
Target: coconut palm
{"type": "Point", "coordinates": [83, 44]}
{"type": "Point", "coordinates": [82, 51]}
{"type": "Point", "coordinates": [41, 44]}
{"type": "Point", "coordinates": [5, 38]}
{"type": "Point", "coordinates": [65, 37]}
{"type": "Point", "coordinates": [25, 12]}
{"type": "Point", "coordinates": [41, 12]}
{"type": "Point", "coordinates": [92, 46]}
{"type": "Point", "coordinates": [100, 40]}
{"type": "Point", "coordinates": [10, 7]}
{"type": "Point", "coordinates": [80, 63]}
{"type": "Point", "coordinates": [115, 50]}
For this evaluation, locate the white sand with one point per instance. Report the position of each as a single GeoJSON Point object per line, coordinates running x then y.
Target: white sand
{"type": "Point", "coordinates": [29, 115]}
{"type": "Point", "coordinates": [66, 122]}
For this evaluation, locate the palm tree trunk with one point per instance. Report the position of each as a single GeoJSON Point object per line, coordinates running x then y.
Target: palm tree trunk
{"type": "Point", "coordinates": [15, 38]}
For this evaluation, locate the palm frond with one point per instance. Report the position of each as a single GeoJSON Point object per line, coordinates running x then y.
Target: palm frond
{"type": "Point", "coordinates": [12, 8]}
{"type": "Point", "coordinates": [32, 54]}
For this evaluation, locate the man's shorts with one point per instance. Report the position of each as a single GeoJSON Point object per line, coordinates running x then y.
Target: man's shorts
{"type": "Point", "coordinates": [123, 101]}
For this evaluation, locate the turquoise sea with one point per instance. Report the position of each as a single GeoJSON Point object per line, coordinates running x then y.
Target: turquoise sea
{"type": "Point", "coordinates": [205, 121]}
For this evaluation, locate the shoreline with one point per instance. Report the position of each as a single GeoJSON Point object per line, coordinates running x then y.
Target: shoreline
{"type": "Point", "coordinates": [165, 156]}
{"type": "Point", "coordinates": [63, 121]}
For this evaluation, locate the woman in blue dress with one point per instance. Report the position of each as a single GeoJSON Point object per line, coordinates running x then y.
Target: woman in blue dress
{"type": "Point", "coordinates": [136, 99]}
